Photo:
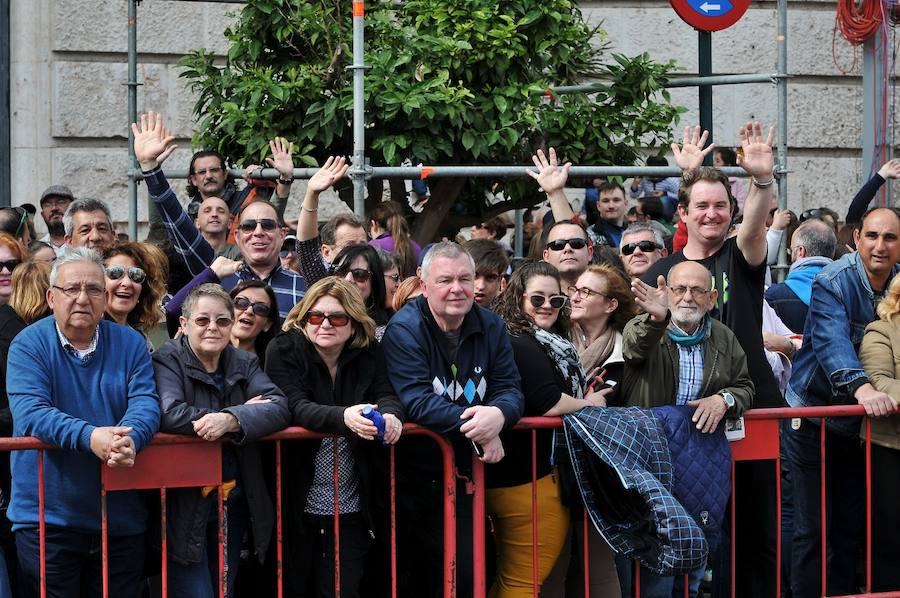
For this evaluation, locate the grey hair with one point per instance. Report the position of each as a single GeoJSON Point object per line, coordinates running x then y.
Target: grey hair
{"type": "Point", "coordinates": [816, 237]}
{"type": "Point", "coordinates": [446, 249]}
{"type": "Point", "coordinates": [74, 254]}
{"type": "Point", "coordinates": [206, 290]}
{"type": "Point", "coordinates": [85, 204]}
{"type": "Point", "coordinates": [640, 227]}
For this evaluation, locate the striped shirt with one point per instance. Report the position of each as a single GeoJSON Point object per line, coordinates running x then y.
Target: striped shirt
{"type": "Point", "coordinates": [690, 371]}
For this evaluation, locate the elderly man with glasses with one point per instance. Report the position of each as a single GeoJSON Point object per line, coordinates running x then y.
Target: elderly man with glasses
{"type": "Point", "coordinates": [84, 385]}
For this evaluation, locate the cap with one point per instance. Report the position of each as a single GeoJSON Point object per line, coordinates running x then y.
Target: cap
{"type": "Point", "coordinates": [29, 207]}
{"type": "Point", "coordinates": [57, 191]}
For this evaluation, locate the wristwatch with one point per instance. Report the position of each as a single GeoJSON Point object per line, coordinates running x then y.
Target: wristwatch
{"type": "Point", "coordinates": [728, 398]}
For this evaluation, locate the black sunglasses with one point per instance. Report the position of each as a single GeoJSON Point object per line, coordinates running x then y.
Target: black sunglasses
{"type": "Point", "coordinates": [358, 274]}
{"type": "Point", "coordinates": [9, 265]}
{"type": "Point", "coordinates": [249, 225]}
{"type": "Point", "coordinates": [259, 308]}
{"type": "Point", "coordinates": [560, 244]}
{"type": "Point", "coordinates": [117, 272]}
{"type": "Point", "coordinates": [810, 214]}
{"type": "Point", "coordinates": [645, 246]}
{"type": "Point", "coordinates": [556, 301]}
{"type": "Point", "coordinates": [316, 318]}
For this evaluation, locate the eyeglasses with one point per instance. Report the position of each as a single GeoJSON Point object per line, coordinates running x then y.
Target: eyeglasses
{"type": "Point", "coordinates": [56, 203]}
{"type": "Point", "coordinates": [73, 292]}
{"type": "Point", "coordinates": [395, 277]}
{"type": "Point", "coordinates": [116, 272]}
{"type": "Point", "coordinates": [583, 291]}
{"type": "Point", "coordinates": [316, 318]}
{"type": "Point", "coordinates": [645, 246]}
{"type": "Point", "coordinates": [560, 244]}
{"type": "Point", "coordinates": [259, 308]}
{"type": "Point", "coordinates": [811, 214]}
{"type": "Point", "coordinates": [205, 321]}
{"type": "Point", "coordinates": [9, 265]}
{"type": "Point", "coordinates": [695, 291]}
{"type": "Point", "coordinates": [556, 301]}
{"type": "Point", "coordinates": [249, 225]}
{"type": "Point", "coordinates": [287, 249]}
{"type": "Point", "coordinates": [358, 274]}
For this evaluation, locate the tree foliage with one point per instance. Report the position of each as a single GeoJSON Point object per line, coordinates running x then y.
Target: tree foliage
{"type": "Point", "coordinates": [449, 82]}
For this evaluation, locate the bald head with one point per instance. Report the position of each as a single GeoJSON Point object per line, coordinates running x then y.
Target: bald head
{"type": "Point", "coordinates": [690, 294]}
{"type": "Point", "coordinates": [688, 269]}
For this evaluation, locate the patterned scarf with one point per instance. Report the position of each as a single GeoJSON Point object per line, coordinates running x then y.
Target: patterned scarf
{"type": "Point", "coordinates": [562, 353]}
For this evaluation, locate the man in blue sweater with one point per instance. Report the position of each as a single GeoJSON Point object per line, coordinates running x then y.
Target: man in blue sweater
{"type": "Point", "coordinates": [84, 385]}
{"type": "Point", "coordinates": [452, 366]}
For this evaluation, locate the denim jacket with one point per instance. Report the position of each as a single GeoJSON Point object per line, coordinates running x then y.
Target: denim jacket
{"type": "Point", "coordinates": [827, 364]}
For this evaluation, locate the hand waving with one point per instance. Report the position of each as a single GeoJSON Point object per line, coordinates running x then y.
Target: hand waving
{"type": "Point", "coordinates": [691, 153]}
{"type": "Point", "coordinates": [282, 157]}
{"type": "Point", "coordinates": [153, 143]}
{"type": "Point", "coordinates": [758, 159]}
{"type": "Point", "coordinates": [549, 176]}
{"type": "Point", "coordinates": [331, 172]}
{"type": "Point", "coordinates": [654, 301]}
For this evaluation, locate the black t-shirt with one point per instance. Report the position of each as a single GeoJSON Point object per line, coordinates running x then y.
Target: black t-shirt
{"type": "Point", "coordinates": [542, 388]}
{"type": "Point", "coordinates": [739, 307]}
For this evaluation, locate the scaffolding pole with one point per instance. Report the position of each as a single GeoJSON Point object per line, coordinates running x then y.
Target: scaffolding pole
{"type": "Point", "coordinates": [357, 170]}
{"type": "Point", "coordinates": [132, 85]}
{"type": "Point", "coordinates": [676, 82]}
{"type": "Point", "coordinates": [781, 269]}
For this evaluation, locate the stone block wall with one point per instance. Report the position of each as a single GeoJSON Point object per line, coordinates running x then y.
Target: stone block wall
{"type": "Point", "coordinates": [70, 111]}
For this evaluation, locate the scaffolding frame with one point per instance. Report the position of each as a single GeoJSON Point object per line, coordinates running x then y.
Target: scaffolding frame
{"type": "Point", "coordinates": [360, 171]}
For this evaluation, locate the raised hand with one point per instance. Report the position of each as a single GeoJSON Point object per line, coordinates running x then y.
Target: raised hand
{"type": "Point", "coordinates": [890, 169]}
{"type": "Point", "coordinates": [690, 155]}
{"type": "Point", "coordinates": [331, 172]}
{"type": "Point", "coordinates": [224, 267]}
{"type": "Point", "coordinates": [549, 176]}
{"type": "Point", "coordinates": [654, 301]}
{"type": "Point", "coordinates": [153, 143]}
{"type": "Point", "coordinates": [282, 157]}
{"type": "Point", "coordinates": [758, 159]}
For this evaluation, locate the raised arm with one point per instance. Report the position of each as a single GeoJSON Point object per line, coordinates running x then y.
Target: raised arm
{"type": "Point", "coordinates": [552, 180]}
{"type": "Point", "coordinates": [759, 161]}
{"type": "Point", "coordinates": [690, 154]}
{"type": "Point", "coordinates": [865, 195]}
{"type": "Point", "coordinates": [331, 172]}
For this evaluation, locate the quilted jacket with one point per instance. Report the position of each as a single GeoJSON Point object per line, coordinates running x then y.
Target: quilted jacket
{"type": "Point", "coordinates": [653, 486]}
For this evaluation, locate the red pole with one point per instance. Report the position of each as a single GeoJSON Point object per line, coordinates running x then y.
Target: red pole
{"type": "Point", "coordinates": [222, 524]}
{"type": "Point", "coordinates": [337, 521]}
{"type": "Point", "coordinates": [587, 562]}
{"type": "Point", "coordinates": [478, 556]}
{"type": "Point", "coordinates": [104, 554]}
{"type": "Point", "coordinates": [778, 525]}
{"type": "Point", "coordinates": [733, 534]}
{"type": "Point", "coordinates": [393, 524]}
{"type": "Point", "coordinates": [868, 505]}
{"type": "Point", "coordinates": [279, 529]}
{"type": "Point", "coordinates": [164, 553]}
{"type": "Point", "coordinates": [534, 516]}
{"type": "Point", "coordinates": [42, 527]}
{"type": "Point", "coordinates": [822, 505]}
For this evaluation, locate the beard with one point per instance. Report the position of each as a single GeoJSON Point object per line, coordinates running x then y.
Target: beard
{"type": "Point", "coordinates": [686, 318]}
{"type": "Point", "coordinates": [56, 228]}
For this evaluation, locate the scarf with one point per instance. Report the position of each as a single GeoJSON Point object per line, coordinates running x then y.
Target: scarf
{"type": "Point", "coordinates": [598, 351]}
{"type": "Point", "coordinates": [563, 354]}
{"type": "Point", "coordinates": [683, 339]}
{"type": "Point", "coordinates": [801, 276]}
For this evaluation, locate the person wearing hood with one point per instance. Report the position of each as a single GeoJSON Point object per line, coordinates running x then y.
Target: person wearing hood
{"type": "Point", "coordinates": [812, 248]}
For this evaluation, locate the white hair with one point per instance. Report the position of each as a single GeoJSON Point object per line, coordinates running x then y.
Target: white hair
{"type": "Point", "coordinates": [74, 254]}
{"type": "Point", "coordinates": [447, 249]}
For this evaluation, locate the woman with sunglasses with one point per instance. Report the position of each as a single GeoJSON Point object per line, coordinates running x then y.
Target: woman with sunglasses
{"type": "Point", "coordinates": [328, 364]}
{"type": "Point", "coordinates": [12, 253]}
{"type": "Point", "coordinates": [553, 383]}
{"type": "Point", "coordinates": [256, 318]}
{"type": "Point", "coordinates": [602, 304]}
{"type": "Point", "coordinates": [391, 268]}
{"type": "Point", "coordinates": [210, 390]}
{"type": "Point", "coordinates": [133, 284]}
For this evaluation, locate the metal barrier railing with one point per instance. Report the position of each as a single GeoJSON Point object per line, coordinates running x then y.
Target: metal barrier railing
{"type": "Point", "coordinates": [173, 461]}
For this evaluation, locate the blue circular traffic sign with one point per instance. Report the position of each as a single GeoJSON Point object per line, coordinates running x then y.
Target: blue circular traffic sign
{"type": "Point", "coordinates": [710, 15]}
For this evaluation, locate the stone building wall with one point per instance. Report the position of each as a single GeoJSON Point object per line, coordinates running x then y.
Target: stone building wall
{"type": "Point", "coordinates": [70, 114]}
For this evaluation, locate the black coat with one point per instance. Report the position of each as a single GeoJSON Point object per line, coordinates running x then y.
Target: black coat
{"type": "Point", "coordinates": [186, 393]}
{"type": "Point", "coordinates": [316, 404]}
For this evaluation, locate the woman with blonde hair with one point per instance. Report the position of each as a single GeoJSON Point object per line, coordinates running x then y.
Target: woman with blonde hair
{"type": "Point", "coordinates": [880, 356]}
{"type": "Point", "coordinates": [331, 369]}
{"type": "Point", "coordinates": [31, 281]}
{"type": "Point", "coordinates": [134, 284]}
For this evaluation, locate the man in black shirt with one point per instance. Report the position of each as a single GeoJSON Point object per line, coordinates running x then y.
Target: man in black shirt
{"type": "Point", "coordinates": [738, 266]}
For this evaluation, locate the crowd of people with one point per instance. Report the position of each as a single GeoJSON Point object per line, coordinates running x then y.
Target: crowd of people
{"type": "Point", "coordinates": [244, 323]}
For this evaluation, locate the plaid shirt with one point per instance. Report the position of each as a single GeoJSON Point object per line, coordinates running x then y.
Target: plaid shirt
{"type": "Point", "coordinates": [690, 371]}
{"type": "Point", "coordinates": [83, 354]}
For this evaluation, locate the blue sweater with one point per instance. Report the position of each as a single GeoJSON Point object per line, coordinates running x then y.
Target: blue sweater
{"type": "Point", "coordinates": [55, 397]}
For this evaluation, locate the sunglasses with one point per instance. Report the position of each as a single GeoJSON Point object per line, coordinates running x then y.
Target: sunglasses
{"type": "Point", "coordinates": [249, 225]}
{"type": "Point", "coordinates": [10, 265]}
{"type": "Point", "coordinates": [116, 272]}
{"type": "Point", "coordinates": [560, 244]}
{"type": "Point", "coordinates": [316, 318]}
{"type": "Point", "coordinates": [220, 322]}
{"type": "Point", "coordinates": [358, 274]}
{"type": "Point", "coordinates": [556, 301]}
{"type": "Point", "coordinates": [259, 308]}
{"type": "Point", "coordinates": [645, 246]}
{"type": "Point", "coordinates": [810, 214]}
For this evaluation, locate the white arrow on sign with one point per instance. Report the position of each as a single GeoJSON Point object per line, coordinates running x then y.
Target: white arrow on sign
{"type": "Point", "coordinates": [706, 7]}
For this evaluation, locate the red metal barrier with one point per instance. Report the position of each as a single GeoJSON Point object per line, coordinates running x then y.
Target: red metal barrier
{"type": "Point", "coordinates": [180, 461]}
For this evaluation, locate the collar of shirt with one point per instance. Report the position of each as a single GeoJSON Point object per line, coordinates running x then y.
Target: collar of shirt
{"type": "Point", "coordinates": [247, 273]}
{"type": "Point", "coordinates": [83, 354]}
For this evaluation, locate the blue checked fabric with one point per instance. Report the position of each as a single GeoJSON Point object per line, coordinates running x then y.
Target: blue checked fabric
{"type": "Point", "coordinates": [624, 473]}
{"type": "Point", "coordinates": [690, 372]}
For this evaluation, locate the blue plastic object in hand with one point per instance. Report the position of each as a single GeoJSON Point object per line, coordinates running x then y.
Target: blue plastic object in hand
{"type": "Point", "coordinates": [378, 420]}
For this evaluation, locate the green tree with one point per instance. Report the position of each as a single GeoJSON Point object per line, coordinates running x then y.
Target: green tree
{"type": "Point", "coordinates": [450, 82]}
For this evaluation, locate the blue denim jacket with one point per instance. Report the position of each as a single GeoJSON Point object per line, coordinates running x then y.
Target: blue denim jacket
{"type": "Point", "coordinates": [842, 304]}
